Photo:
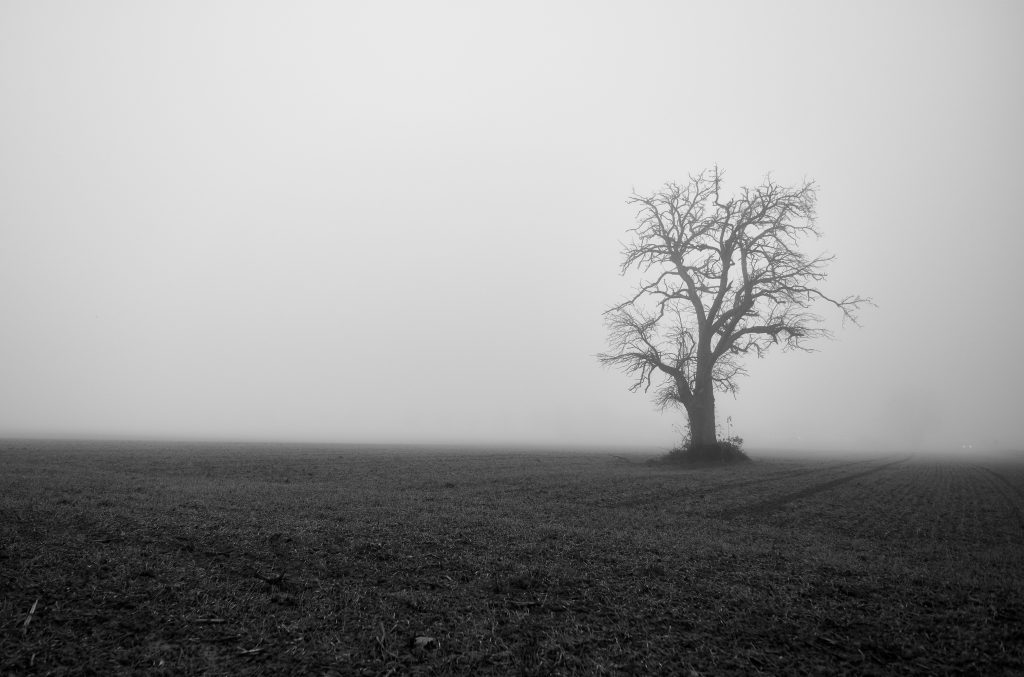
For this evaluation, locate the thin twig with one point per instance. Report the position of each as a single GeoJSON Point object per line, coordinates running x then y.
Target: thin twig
{"type": "Point", "coordinates": [28, 619]}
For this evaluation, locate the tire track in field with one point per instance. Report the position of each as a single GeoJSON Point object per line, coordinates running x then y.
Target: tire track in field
{"type": "Point", "coordinates": [1001, 488]}
{"type": "Point", "coordinates": [666, 493]}
{"type": "Point", "coordinates": [777, 502]}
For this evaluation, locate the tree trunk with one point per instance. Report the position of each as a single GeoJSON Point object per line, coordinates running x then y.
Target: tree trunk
{"type": "Point", "coordinates": [701, 412]}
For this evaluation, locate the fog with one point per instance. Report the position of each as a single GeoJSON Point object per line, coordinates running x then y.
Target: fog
{"type": "Point", "coordinates": [377, 222]}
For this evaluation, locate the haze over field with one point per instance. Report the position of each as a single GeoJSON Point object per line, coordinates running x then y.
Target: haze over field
{"type": "Point", "coordinates": [402, 221]}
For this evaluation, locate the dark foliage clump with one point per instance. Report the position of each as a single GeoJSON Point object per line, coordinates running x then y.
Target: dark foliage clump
{"type": "Point", "coordinates": [723, 452]}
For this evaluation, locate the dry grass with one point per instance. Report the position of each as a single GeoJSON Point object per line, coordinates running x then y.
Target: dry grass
{"type": "Point", "coordinates": [263, 560]}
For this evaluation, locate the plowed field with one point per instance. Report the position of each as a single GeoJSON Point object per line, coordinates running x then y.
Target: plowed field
{"type": "Point", "coordinates": [176, 559]}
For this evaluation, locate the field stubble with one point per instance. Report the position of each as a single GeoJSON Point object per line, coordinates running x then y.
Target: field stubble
{"type": "Point", "coordinates": [340, 560]}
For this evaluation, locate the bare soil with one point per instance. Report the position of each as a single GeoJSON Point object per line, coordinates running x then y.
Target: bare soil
{"type": "Point", "coordinates": [234, 560]}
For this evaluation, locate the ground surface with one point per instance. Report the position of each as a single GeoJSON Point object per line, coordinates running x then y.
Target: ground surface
{"type": "Point", "coordinates": [261, 560]}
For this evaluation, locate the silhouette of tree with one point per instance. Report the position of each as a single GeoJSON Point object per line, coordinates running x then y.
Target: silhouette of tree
{"type": "Point", "coordinates": [723, 278]}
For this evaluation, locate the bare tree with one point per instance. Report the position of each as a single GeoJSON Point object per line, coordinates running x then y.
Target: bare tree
{"type": "Point", "coordinates": [722, 278]}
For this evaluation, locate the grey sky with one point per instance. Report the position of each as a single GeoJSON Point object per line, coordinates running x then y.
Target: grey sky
{"type": "Point", "coordinates": [401, 221]}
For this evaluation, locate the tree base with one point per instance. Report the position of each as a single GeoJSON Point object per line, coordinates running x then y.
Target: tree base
{"type": "Point", "coordinates": [721, 453]}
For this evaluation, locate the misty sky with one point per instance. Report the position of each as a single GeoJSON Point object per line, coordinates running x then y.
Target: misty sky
{"type": "Point", "coordinates": [401, 221]}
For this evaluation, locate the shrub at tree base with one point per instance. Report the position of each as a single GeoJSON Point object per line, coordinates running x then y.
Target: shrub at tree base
{"type": "Point", "coordinates": [725, 452]}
